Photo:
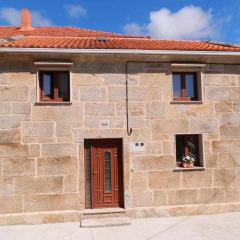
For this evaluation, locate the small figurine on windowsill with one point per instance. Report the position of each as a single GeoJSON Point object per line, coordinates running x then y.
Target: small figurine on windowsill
{"type": "Point", "coordinates": [188, 162]}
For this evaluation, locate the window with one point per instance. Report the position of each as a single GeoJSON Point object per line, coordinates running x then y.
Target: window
{"type": "Point", "coordinates": [185, 86]}
{"type": "Point", "coordinates": [54, 86]}
{"type": "Point", "coordinates": [189, 146]}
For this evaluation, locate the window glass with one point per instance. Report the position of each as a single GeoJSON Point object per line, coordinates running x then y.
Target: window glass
{"type": "Point", "coordinates": [176, 85]}
{"type": "Point", "coordinates": [63, 85]}
{"type": "Point", "coordinates": [47, 85]}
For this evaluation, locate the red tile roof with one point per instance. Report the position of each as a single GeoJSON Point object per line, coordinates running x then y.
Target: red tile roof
{"type": "Point", "coordinates": [76, 38]}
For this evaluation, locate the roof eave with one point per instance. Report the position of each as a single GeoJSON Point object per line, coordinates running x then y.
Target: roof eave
{"type": "Point", "coordinates": [119, 51]}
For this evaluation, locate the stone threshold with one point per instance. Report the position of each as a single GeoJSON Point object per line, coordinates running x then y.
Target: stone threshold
{"type": "Point", "coordinates": [103, 211]}
{"type": "Point", "coordinates": [52, 103]}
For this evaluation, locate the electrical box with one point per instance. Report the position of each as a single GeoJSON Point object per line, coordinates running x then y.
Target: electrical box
{"type": "Point", "coordinates": [137, 147]}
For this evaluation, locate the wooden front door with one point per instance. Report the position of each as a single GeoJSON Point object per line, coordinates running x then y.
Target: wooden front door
{"type": "Point", "coordinates": [106, 173]}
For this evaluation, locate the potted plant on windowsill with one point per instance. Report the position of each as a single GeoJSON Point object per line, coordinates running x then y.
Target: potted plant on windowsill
{"type": "Point", "coordinates": [188, 162]}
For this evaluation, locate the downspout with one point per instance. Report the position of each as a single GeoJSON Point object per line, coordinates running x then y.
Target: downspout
{"type": "Point", "coordinates": [129, 130]}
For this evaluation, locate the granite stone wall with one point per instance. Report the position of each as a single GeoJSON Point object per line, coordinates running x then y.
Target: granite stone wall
{"type": "Point", "coordinates": [42, 145]}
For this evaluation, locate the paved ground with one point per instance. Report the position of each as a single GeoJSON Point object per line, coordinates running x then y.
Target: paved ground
{"type": "Point", "coordinates": [217, 227]}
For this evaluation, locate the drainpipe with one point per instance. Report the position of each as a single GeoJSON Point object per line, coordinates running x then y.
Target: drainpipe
{"type": "Point", "coordinates": [129, 130]}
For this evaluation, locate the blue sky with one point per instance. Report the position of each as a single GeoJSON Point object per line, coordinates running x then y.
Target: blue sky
{"type": "Point", "coordinates": [166, 19]}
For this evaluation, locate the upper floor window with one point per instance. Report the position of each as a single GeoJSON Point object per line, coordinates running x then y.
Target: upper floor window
{"type": "Point", "coordinates": [186, 86]}
{"type": "Point", "coordinates": [54, 86]}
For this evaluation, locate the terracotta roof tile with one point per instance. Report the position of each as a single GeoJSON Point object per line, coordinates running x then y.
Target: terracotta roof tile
{"type": "Point", "coordinates": [76, 38]}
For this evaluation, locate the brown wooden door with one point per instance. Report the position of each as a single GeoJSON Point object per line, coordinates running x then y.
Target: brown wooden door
{"type": "Point", "coordinates": [106, 173]}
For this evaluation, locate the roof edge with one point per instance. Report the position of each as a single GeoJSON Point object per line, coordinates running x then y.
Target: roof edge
{"type": "Point", "coordinates": [118, 51]}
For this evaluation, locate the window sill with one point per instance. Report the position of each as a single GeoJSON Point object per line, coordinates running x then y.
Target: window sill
{"type": "Point", "coordinates": [186, 102]}
{"type": "Point", "coordinates": [181, 169]}
{"type": "Point", "coordinates": [52, 103]}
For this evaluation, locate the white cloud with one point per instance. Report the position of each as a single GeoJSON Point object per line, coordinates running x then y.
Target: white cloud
{"type": "Point", "coordinates": [190, 22]}
{"type": "Point", "coordinates": [12, 16]}
{"type": "Point", "coordinates": [75, 11]}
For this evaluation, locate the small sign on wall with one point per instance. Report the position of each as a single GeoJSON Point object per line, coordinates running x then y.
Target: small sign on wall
{"type": "Point", "coordinates": [136, 147]}
{"type": "Point", "coordinates": [104, 123]}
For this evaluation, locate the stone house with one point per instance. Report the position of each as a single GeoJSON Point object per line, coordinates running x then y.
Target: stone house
{"type": "Point", "coordinates": [93, 120]}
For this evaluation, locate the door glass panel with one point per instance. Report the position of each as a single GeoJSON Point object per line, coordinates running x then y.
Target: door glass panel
{"type": "Point", "coordinates": [47, 85]}
{"type": "Point", "coordinates": [88, 173]}
{"type": "Point", "coordinates": [107, 172]}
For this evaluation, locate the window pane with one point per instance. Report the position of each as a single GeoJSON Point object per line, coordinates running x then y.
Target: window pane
{"type": "Point", "coordinates": [46, 84]}
{"type": "Point", "coordinates": [192, 146]}
{"type": "Point", "coordinates": [176, 85]}
{"type": "Point", "coordinates": [190, 86]}
{"type": "Point", "coordinates": [63, 85]}
{"type": "Point", "coordinates": [179, 148]}
{"type": "Point", "coordinates": [107, 172]}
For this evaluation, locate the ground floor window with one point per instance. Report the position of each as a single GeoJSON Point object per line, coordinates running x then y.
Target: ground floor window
{"type": "Point", "coordinates": [189, 150]}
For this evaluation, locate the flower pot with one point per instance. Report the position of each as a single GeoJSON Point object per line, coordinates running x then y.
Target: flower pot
{"type": "Point", "coordinates": [188, 165]}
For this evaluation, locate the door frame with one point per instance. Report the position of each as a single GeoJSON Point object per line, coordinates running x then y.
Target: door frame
{"type": "Point", "coordinates": [117, 142]}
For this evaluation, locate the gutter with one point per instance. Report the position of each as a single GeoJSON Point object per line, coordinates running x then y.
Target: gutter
{"type": "Point", "coordinates": [119, 51]}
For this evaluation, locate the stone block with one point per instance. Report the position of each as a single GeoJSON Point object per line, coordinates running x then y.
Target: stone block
{"type": "Point", "coordinates": [236, 106]}
{"type": "Point", "coordinates": [13, 167]}
{"type": "Point", "coordinates": [154, 147]}
{"type": "Point", "coordinates": [12, 121]}
{"type": "Point", "coordinates": [230, 132]}
{"type": "Point", "coordinates": [57, 166]}
{"type": "Point", "coordinates": [220, 80]}
{"type": "Point", "coordinates": [197, 179]}
{"type": "Point", "coordinates": [51, 202]}
{"type": "Point", "coordinates": [164, 180]}
{"type": "Point", "coordinates": [233, 159]}
{"type": "Point", "coordinates": [100, 109]}
{"type": "Point", "coordinates": [13, 150]}
{"type": "Point", "coordinates": [12, 93]}
{"type": "Point", "coordinates": [11, 204]}
{"type": "Point", "coordinates": [232, 195]}
{"type": "Point", "coordinates": [65, 129]}
{"type": "Point", "coordinates": [31, 185]}
{"type": "Point", "coordinates": [139, 93]}
{"type": "Point", "coordinates": [34, 150]}
{"type": "Point", "coordinates": [5, 108]}
{"type": "Point", "coordinates": [92, 94]}
{"type": "Point", "coordinates": [182, 196]}
{"type": "Point", "coordinates": [37, 129]}
{"type": "Point", "coordinates": [224, 106]}
{"type": "Point", "coordinates": [6, 186]}
{"type": "Point", "coordinates": [141, 198]}
{"type": "Point", "coordinates": [190, 111]}
{"type": "Point", "coordinates": [117, 93]}
{"type": "Point", "coordinates": [211, 195]}
{"type": "Point", "coordinates": [231, 146]}
{"type": "Point", "coordinates": [204, 126]}
{"type": "Point", "coordinates": [72, 113]}
{"type": "Point", "coordinates": [139, 181]}
{"type": "Point", "coordinates": [170, 126]}
{"type": "Point", "coordinates": [224, 178]}
{"type": "Point", "coordinates": [87, 79]}
{"type": "Point", "coordinates": [59, 149]}
{"type": "Point", "coordinates": [71, 183]}
{"type": "Point", "coordinates": [159, 198]}
{"type": "Point", "coordinates": [10, 136]}
{"type": "Point", "coordinates": [21, 108]}
{"type": "Point", "coordinates": [223, 93]}
{"type": "Point", "coordinates": [156, 110]}
{"type": "Point", "coordinates": [232, 118]}
{"type": "Point", "coordinates": [152, 162]}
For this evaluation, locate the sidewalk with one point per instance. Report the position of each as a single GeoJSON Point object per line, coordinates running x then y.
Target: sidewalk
{"type": "Point", "coordinates": [220, 227]}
